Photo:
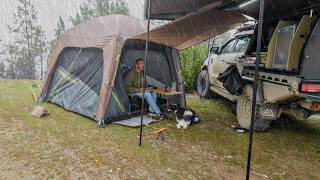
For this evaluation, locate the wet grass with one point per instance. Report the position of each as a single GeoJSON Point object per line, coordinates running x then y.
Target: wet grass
{"type": "Point", "coordinates": [67, 145]}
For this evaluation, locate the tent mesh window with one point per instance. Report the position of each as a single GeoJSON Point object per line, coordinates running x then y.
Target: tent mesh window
{"type": "Point", "coordinates": [77, 80]}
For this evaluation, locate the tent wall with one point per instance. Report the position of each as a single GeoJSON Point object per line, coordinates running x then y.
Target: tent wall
{"type": "Point", "coordinates": [180, 80]}
{"type": "Point", "coordinates": [65, 41]}
{"type": "Point", "coordinates": [111, 56]}
{"type": "Point", "coordinates": [77, 80]}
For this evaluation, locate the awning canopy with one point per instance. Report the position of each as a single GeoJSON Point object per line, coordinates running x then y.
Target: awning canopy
{"type": "Point", "coordinates": [173, 9]}
{"type": "Point", "coordinates": [195, 27]}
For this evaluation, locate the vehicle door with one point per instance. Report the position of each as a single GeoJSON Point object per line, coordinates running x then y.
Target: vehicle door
{"type": "Point", "coordinates": [241, 48]}
{"type": "Point", "coordinates": [220, 62]}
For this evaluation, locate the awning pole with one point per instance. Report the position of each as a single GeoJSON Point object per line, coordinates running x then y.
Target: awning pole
{"type": "Point", "coordinates": [255, 88]}
{"type": "Point", "coordinates": [145, 72]}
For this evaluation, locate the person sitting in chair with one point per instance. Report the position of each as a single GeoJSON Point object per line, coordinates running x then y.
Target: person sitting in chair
{"type": "Point", "coordinates": [134, 84]}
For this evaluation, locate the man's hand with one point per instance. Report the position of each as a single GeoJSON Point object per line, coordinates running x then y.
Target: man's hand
{"type": "Point", "coordinates": [141, 90]}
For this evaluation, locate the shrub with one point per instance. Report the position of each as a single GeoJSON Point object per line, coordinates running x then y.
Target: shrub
{"type": "Point", "coordinates": [191, 61]}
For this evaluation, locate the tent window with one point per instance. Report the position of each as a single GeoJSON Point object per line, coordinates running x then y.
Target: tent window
{"type": "Point", "coordinates": [156, 61]}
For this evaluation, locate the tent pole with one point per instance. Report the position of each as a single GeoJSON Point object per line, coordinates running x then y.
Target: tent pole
{"type": "Point", "coordinates": [255, 88]}
{"type": "Point", "coordinates": [145, 72]}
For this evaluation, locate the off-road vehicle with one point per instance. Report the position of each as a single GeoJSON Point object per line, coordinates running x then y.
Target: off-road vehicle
{"type": "Point", "coordinates": [289, 78]}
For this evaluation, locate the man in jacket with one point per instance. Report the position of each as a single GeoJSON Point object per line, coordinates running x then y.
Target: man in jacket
{"type": "Point", "coordinates": [134, 83]}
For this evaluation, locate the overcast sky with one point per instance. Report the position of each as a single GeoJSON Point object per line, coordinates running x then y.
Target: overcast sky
{"type": "Point", "coordinates": [49, 12]}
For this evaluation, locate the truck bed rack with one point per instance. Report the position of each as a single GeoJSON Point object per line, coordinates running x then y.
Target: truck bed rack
{"type": "Point", "coordinates": [283, 79]}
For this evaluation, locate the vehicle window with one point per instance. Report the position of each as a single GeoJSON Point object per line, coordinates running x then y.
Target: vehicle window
{"type": "Point", "coordinates": [242, 44]}
{"type": "Point", "coordinates": [229, 47]}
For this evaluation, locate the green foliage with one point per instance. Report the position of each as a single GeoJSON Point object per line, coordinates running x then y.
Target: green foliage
{"type": "Point", "coordinates": [119, 7]}
{"type": "Point", "coordinates": [96, 8]}
{"type": "Point", "coordinates": [60, 27]}
{"type": "Point", "coordinates": [191, 61]}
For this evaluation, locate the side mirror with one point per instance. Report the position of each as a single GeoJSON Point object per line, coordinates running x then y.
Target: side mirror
{"type": "Point", "coordinates": [214, 50]}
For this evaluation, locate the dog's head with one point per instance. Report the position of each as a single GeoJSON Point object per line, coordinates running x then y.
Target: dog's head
{"type": "Point", "coordinates": [184, 113]}
{"type": "Point", "coordinates": [180, 112]}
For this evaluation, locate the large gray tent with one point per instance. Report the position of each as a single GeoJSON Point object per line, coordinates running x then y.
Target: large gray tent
{"type": "Point", "coordinates": [89, 61]}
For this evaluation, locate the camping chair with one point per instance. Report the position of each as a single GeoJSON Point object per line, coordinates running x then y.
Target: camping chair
{"type": "Point", "coordinates": [136, 104]}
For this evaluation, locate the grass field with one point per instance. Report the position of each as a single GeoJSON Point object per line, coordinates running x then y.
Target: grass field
{"type": "Point", "coordinates": [65, 145]}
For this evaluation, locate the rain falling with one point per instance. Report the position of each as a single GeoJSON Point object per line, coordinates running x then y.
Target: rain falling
{"type": "Point", "coordinates": [159, 89]}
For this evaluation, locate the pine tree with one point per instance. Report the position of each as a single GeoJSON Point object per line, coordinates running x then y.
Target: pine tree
{"type": "Point", "coordinates": [76, 20]}
{"type": "Point", "coordinates": [39, 49]}
{"type": "Point", "coordinates": [29, 44]}
{"type": "Point", "coordinates": [2, 64]}
{"type": "Point", "coordinates": [97, 8]}
{"type": "Point", "coordinates": [2, 70]}
{"type": "Point", "coordinates": [11, 58]}
{"type": "Point", "coordinates": [60, 27]}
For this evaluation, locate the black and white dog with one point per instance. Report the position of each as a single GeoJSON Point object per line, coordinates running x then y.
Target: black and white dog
{"type": "Point", "coordinates": [185, 117]}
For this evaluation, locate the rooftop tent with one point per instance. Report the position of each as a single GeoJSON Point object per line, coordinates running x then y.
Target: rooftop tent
{"type": "Point", "coordinates": [89, 62]}
{"type": "Point", "coordinates": [195, 27]}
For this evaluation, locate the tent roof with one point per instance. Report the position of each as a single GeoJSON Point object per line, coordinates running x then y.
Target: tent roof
{"type": "Point", "coordinates": [99, 31]}
{"type": "Point", "coordinates": [195, 27]}
{"type": "Point", "coordinates": [173, 9]}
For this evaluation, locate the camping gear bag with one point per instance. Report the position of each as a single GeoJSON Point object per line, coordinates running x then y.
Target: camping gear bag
{"type": "Point", "coordinates": [232, 80]}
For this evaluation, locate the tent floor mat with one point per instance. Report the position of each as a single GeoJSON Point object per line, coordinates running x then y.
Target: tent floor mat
{"type": "Point", "coordinates": [135, 121]}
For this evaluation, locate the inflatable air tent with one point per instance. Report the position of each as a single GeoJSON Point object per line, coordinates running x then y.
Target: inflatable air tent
{"type": "Point", "coordinates": [89, 62]}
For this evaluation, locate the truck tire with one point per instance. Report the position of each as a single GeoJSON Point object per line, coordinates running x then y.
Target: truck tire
{"type": "Point", "coordinates": [244, 107]}
{"type": "Point", "coordinates": [203, 85]}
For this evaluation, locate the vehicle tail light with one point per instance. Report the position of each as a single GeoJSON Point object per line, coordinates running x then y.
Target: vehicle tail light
{"type": "Point", "coordinates": [310, 88]}
{"type": "Point", "coordinates": [316, 106]}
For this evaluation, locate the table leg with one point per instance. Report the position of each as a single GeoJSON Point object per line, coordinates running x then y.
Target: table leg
{"type": "Point", "coordinates": [167, 105]}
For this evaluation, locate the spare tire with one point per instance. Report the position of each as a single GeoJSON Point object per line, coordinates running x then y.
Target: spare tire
{"type": "Point", "coordinates": [244, 111]}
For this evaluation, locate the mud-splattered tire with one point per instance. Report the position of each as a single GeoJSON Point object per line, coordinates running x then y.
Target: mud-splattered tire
{"type": "Point", "coordinates": [203, 85]}
{"type": "Point", "coordinates": [244, 107]}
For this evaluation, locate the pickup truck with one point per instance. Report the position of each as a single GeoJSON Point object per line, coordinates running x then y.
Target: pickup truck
{"type": "Point", "coordinates": [289, 78]}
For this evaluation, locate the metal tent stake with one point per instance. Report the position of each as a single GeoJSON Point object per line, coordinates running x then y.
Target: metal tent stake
{"type": "Point", "coordinates": [255, 88]}
{"type": "Point", "coordinates": [145, 72]}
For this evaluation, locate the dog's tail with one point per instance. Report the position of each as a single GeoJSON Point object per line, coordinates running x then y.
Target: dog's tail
{"type": "Point", "coordinates": [196, 119]}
